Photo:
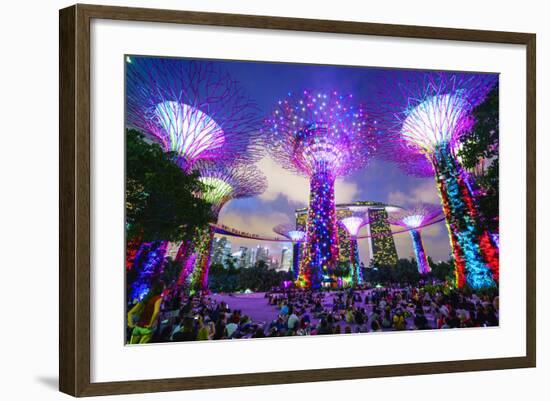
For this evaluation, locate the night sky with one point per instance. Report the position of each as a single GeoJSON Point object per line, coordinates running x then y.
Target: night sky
{"type": "Point", "coordinates": [380, 180]}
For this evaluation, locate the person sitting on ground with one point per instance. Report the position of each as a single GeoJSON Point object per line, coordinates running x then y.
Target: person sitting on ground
{"type": "Point", "coordinates": [187, 331]}
{"type": "Point", "coordinates": [230, 329]}
{"type": "Point", "coordinates": [399, 322]}
{"type": "Point", "coordinates": [420, 320]}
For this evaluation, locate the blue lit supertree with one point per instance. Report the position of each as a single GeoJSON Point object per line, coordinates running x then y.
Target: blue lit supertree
{"type": "Point", "coordinates": [297, 238]}
{"type": "Point", "coordinates": [424, 117]}
{"type": "Point", "coordinates": [322, 136]}
{"type": "Point", "coordinates": [413, 220]}
{"type": "Point", "coordinates": [148, 264]}
{"type": "Point", "coordinates": [222, 183]}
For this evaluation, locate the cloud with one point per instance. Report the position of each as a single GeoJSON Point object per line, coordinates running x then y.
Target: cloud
{"type": "Point", "coordinates": [281, 182]}
{"type": "Point", "coordinates": [253, 222]}
{"type": "Point", "coordinates": [426, 192]}
{"type": "Point", "coordinates": [345, 191]}
{"type": "Point", "coordinates": [295, 188]}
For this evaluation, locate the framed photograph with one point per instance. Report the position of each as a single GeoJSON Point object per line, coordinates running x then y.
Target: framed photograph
{"type": "Point", "coordinates": [250, 200]}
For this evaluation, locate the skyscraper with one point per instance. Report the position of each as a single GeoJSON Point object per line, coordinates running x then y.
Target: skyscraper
{"type": "Point", "coordinates": [286, 259]}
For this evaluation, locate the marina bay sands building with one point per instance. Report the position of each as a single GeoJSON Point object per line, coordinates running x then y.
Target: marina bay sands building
{"type": "Point", "coordinates": [381, 244]}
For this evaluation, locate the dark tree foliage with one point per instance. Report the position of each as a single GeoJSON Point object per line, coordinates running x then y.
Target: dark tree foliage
{"type": "Point", "coordinates": [160, 201]}
{"type": "Point", "coordinates": [406, 272]}
{"type": "Point", "coordinates": [256, 278]}
{"type": "Point", "coordinates": [482, 143]}
{"type": "Point", "coordinates": [443, 270]}
{"type": "Point", "coordinates": [342, 269]}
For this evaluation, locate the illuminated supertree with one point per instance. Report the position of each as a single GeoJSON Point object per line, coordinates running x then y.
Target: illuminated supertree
{"type": "Point", "coordinates": [321, 136]}
{"type": "Point", "coordinates": [191, 109]}
{"type": "Point", "coordinates": [352, 225]}
{"type": "Point", "coordinates": [221, 184]}
{"type": "Point", "coordinates": [424, 120]}
{"type": "Point", "coordinates": [297, 238]}
{"type": "Point", "coordinates": [413, 220]}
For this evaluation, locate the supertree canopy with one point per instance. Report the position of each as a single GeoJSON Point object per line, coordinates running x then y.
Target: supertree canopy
{"type": "Point", "coordinates": [191, 109]}
{"type": "Point", "coordinates": [425, 118]}
{"type": "Point", "coordinates": [413, 220]}
{"type": "Point", "coordinates": [352, 225]}
{"type": "Point", "coordinates": [297, 238]}
{"type": "Point", "coordinates": [322, 136]}
{"type": "Point", "coordinates": [221, 184]}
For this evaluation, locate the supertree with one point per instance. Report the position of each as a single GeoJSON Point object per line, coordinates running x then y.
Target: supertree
{"type": "Point", "coordinates": [352, 225]}
{"type": "Point", "coordinates": [297, 238]}
{"type": "Point", "coordinates": [414, 219]}
{"type": "Point", "coordinates": [191, 108]}
{"type": "Point", "coordinates": [321, 136]}
{"type": "Point", "coordinates": [222, 183]}
{"type": "Point", "coordinates": [424, 118]}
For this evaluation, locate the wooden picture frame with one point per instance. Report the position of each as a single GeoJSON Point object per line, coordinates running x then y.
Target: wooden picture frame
{"type": "Point", "coordinates": [74, 205]}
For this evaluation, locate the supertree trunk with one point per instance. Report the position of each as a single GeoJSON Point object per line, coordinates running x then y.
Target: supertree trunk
{"type": "Point", "coordinates": [186, 259]}
{"type": "Point", "coordinates": [296, 249]}
{"type": "Point", "coordinates": [355, 266]}
{"type": "Point", "coordinates": [476, 258]}
{"type": "Point", "coordinates": [148, 264]}
{"type": "Point", "coordinates": [322, 230]}
{"type": "Point", "coordinates": [203, 248]}
{"type": "Point", "coordinates": [419, 253]}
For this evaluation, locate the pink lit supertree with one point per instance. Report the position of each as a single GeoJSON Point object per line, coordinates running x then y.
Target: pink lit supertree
{"type": "Point", "coordinates": [353, 224]}
{"type": "Point", "coordinates": [192, 109]}
{"type": "Point", "coordinates": [414, 219]}
{"type": "Point", "coordinates": [321, 136]}
{"type": "Point", "coordinates": [222, 183]}
{"type": "Point", "coordinates": [424, 116]}
{"type": "Point", "coordinates": [297, 238]}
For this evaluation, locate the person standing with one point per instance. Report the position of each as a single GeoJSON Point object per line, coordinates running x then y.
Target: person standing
{"type": "Point", "coordinates": [142, 318]}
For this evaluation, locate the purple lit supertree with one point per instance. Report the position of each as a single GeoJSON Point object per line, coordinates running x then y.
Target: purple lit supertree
{"type": "Point", "coordinates": [297, 238]}
{"type": "Point", "coordinates": [352, 224]}
{"type": "Point", "coordinates": [192, 109]}
{"type": "Point", "coordinates": [321, 136]}
{"type": "Point", "coordinates": [424, 119]}
{"type": "Point", "coordinates": [222, 183]}
{"type": "Point", "coordinates": [413, 220]}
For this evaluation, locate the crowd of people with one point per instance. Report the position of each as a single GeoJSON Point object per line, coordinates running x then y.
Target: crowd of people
{"type": "Point", "coordinates": [173, 316]}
